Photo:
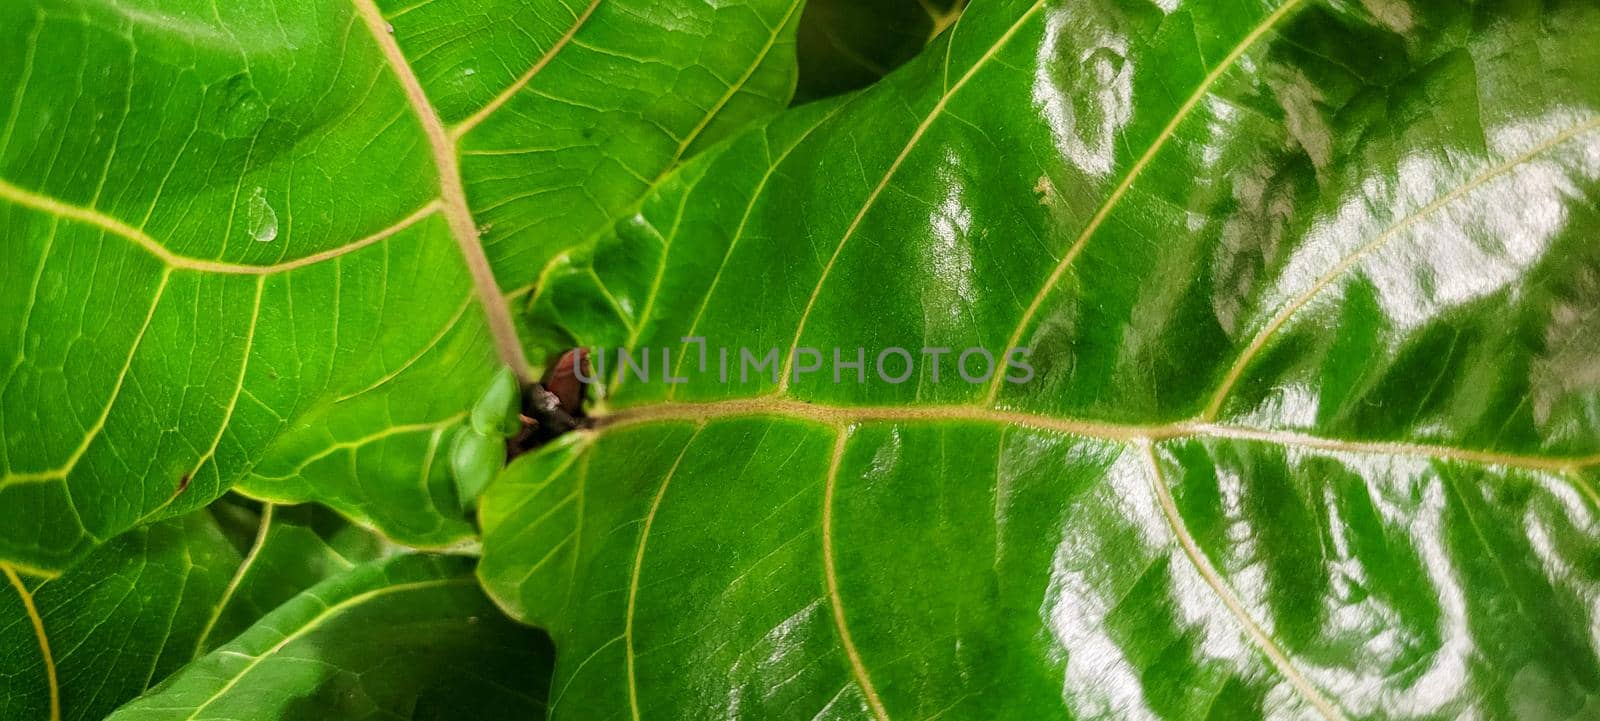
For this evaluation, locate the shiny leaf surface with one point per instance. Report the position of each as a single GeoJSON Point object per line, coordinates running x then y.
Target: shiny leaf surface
{"type": "Point", "coordinates": [270, 243]}
{"type": "Point", "coordinates": [1310, 290]}
{"type": "Point", "coordinates": [409, 637]}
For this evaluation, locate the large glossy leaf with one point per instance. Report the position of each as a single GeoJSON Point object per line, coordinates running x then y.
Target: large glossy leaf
{"type": "Point", "coordinates": [155, 598]}
{"type": "Point", "coordinates": [269, 243]}
{"type": "Point", "coordinates": [410, 637]}
{"type": "Point", "coordinates": [1311, 290]}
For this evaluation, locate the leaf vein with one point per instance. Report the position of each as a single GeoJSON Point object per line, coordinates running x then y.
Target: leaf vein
{"type": "Point", "coordinates": [894, 167]}
{"type": "Point", "coordinates": [858, 668]}
{"type": "Point", "coordinates": [838, 415]}
{"type": "Point", "coordinates": [1231, 600]}
{"type": "Point", "coordinates": [1166, 134]}
{"type": "Point", "coordinates": [638, 565]}
{"type": "Point", "coordinates": [44, 640]}
{"type": "Point", "coordinates": [1283, 315]}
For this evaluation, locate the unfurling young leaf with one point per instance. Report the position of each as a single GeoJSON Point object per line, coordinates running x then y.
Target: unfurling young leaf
{"type": "Point", "coordinates": [495, 413]}
{"type": "Point", "coordinates": [475, 458]}
{"type": "Point", "coordinates": [478, 450]}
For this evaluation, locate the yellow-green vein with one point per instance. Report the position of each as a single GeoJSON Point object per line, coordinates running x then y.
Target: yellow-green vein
{"type": "Point", "coordinates": [738, 233]}
{"type": "Point", "coordinates": [633, 581]}
{"type": "Point", "coordinates": [1282, 316]}
{"type": "Point", "coordinates": [263, 527]}
{"type": "Point", "coordinates": [93, 431]}
{"type": "Point", "coordinates": [705, 120]}
{"type": "Point", "coordinates": [1132, 175]}
{"type": "Point", "coordinates": [44, 640]}
{"type": "Point", "coordinates": [843, 415]}
{"type": "Point", "coordinates": [858, 669]}
{"type": "Point", "coordinates": [894, 167]}
{"type": "Point", "coordinates": [89, 216]}
{"type": "Point", "coordinates": [312, 625]}
{"type": "Point", "coordinates": [1225, 593]}
{"type": "Point", "coordinates": [522, 81]}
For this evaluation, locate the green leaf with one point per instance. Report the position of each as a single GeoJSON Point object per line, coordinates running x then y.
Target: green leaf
{"type": "Point", "coordinates": [145, 604]}
{"type": "Point", "coordinates": [478, 450]}
{"type": "Point", "coordinates": [474, 460]}
{"type": "Point", "coordinates": [496, 411]}
{"type": "Point", "coordinates": [271, 244]}
{"type": "Point", "coordinates": [1310, 293]}
{"type": "Point", "coordinates": [409, 637]}
{"type": "Point", "coordinates": [294, 548]}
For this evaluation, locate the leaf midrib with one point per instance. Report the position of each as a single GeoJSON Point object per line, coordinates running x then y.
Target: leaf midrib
{"type": "Point", "coordinates": [835, 415]}
{"type": "Point", "coordinates": [453, 195]}
{"type": "Point", "coordinates": [1136, 438]}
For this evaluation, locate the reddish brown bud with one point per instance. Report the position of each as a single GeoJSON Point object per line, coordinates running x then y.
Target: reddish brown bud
{"type": "Point", "coordinates": [561, 379]}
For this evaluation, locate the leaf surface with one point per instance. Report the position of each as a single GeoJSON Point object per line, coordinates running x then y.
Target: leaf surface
{"type": "Point", "coordinates": [1310, 291]}
{"type": "Point", "coordinates": [410, 637]}
{"type": "Point", "coordinates": [271, 244]}
{"type": "Point", "coordinates": [153, 599]}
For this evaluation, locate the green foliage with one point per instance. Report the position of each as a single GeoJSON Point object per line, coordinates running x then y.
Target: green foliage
{"type": "Point", "coordinates": [272, 246]}
{"type": "Point", "coordinates": [1310, 434]}
{"type": "Point", "coordinates": [158, 597]}
{"type": "Point", "coordinates": [410, 637]}
{"type": "Point", "coordinates": [1308, 291]}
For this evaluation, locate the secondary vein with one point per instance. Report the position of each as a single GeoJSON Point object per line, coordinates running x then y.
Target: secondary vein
{"type": "Point", "coordinates": [633, 581]}
{"type": "Point", "coordinates": [1229, 597]}
{"type": "Point", "coordinates": [888, 175]}
{"type": "Point", "coordinates": [483, 113]}
{"type": "Point", "coordinates": [44, 640]}
{"type": "Point", "coordinates": [1236, 371]}
{"type": "Point", "coordinates": [61, 209]}
{"type": "Point", "coordinates": [858, 668]}
{"type": "Point", "coordinates": [1138, 167]}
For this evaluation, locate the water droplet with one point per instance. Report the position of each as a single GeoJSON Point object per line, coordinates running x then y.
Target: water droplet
{"type": "Point", "coordinates": [469, 72]}
{"type": "Point", "coordinates": [263, 219]}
